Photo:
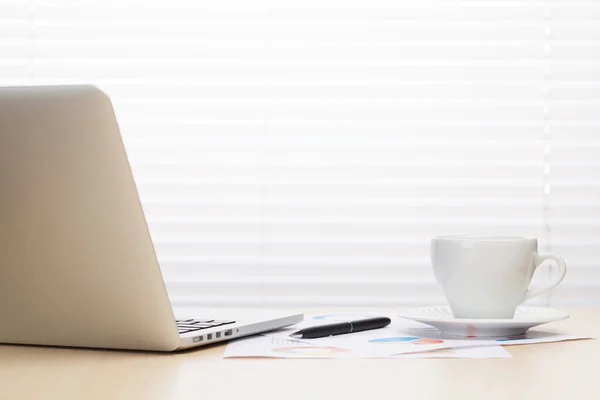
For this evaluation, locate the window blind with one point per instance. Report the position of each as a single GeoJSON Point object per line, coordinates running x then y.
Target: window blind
{"type": "Point", "coordinates": [304, 152]}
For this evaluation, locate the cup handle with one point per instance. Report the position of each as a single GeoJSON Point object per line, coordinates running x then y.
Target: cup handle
{"type": "Point", "coordinates": [562, 270]}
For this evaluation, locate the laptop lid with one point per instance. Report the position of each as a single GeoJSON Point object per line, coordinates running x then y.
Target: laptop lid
{"type": "Point", "coordinates": [77, 264]}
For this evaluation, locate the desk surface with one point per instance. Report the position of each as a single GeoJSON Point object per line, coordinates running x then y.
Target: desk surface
{"type": "Point", "coordinates": [542, 371]}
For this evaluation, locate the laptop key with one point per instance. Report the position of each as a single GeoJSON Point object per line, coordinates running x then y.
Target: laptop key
{"type": "Point", "coordinates": [202, 326]}
{"type": "Point", "coordinates": [191, 327]}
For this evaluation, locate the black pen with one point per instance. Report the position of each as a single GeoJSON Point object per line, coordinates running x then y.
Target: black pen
{"type": "Point", "coordinates": [342, 328]}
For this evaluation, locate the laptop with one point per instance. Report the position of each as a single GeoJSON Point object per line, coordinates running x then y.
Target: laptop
{"type": "Point", "coordinates": [77, 264]}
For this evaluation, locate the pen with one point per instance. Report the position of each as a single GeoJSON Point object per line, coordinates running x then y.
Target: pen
{"type": "Point", "coordinates": [342, 328]}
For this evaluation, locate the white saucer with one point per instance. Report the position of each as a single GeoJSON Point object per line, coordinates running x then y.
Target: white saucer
{"type": "Point", "coordinates": [525, 318]}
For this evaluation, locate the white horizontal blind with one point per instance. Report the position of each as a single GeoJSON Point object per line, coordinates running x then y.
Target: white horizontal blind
{"type": "Point", "coordinates": [304, 152]}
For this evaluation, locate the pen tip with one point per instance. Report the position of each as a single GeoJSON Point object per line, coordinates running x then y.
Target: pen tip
{"type": "Point", "coordinates": [295, 335]}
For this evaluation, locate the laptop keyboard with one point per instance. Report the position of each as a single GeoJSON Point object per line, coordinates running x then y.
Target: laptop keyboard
{"type": "Point", "coordinates": [192, 325]}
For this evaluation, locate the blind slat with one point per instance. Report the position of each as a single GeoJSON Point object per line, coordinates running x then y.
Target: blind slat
{"type": "Point", "coordinates": [303, 153]}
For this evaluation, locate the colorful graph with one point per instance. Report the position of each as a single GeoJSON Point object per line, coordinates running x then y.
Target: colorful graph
{"type": "Point", "coordinates": [310, 350]}
{"type": "Point", "coordinates": [406, 339]}
{"type": "Point", "coordinates": [341, 317]}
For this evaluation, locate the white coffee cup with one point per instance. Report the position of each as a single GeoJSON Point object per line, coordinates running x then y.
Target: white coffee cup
{"type": "Point", "coordinates": [488, 277]}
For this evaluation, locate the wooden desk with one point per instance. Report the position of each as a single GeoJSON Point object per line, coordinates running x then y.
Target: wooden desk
{"type": "Point", "coordinates": [568, 370]}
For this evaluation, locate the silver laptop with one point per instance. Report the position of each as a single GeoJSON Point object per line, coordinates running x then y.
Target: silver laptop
{"type": "Point", "coordinates": [77, 263]}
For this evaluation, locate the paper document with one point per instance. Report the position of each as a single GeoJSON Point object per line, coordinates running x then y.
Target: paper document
{"type": "Point", "coordinates": [274, 347]}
